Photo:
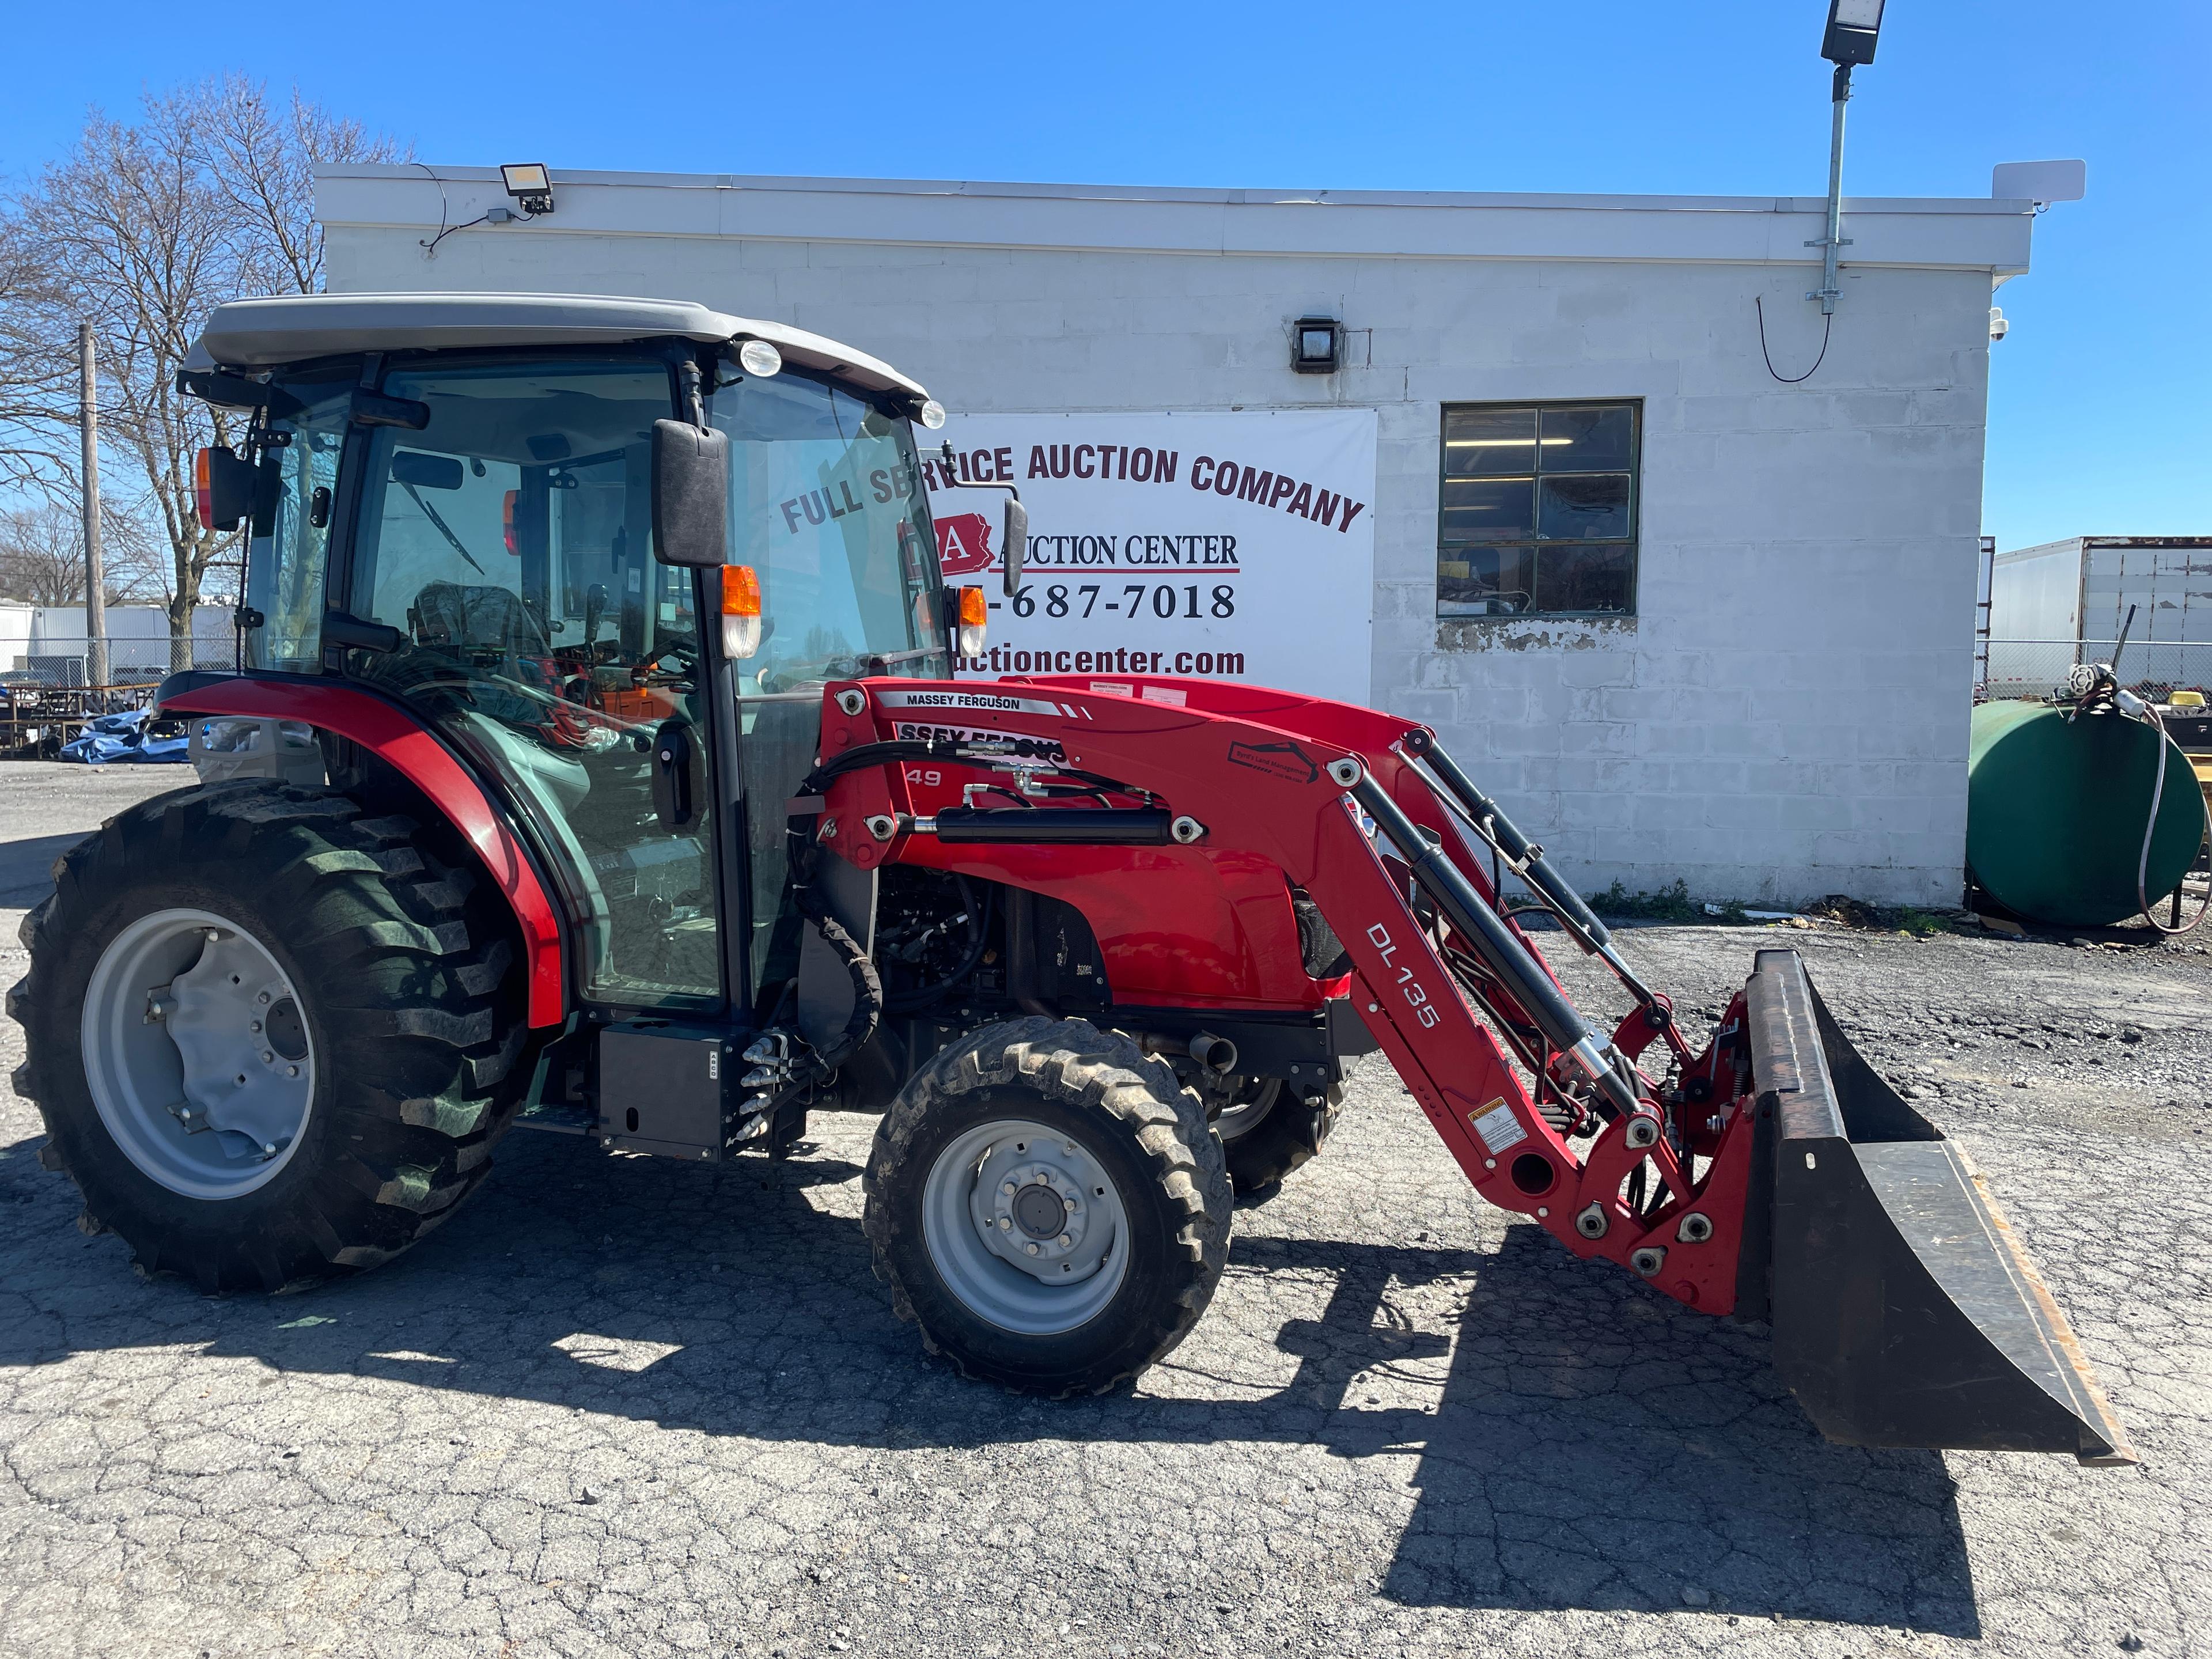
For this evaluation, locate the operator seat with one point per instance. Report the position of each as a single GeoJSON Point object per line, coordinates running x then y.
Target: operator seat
{"type": "Point", "coordinates": [466, 617]}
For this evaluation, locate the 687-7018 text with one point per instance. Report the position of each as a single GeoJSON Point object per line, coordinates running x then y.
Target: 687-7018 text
{"type": "Point", "coordinates": [1165, 601]}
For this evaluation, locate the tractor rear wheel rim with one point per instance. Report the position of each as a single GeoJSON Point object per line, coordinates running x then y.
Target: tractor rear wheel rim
{"type": "Point", "coordinates": [197, 1053]}
{"type": "Point", "coordinates": [1251, 1105]}
{"type": "Point", "coordinates": [989, 1206]}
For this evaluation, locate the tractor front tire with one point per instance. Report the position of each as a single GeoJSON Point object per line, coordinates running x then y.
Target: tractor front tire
{"type": "Point", "coordinates": [1049, 1205]}
{"type": "Point", "coordinates": [381, 981]}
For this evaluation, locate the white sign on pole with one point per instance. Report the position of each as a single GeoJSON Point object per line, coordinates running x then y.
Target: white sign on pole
{"type": "Point", "coordinates": [1229, 546]}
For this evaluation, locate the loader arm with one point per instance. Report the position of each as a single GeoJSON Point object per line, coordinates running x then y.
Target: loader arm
{"type": "Point", "coordinates": [1295, 788]}
{"type": "Point", "coordinates": [1906, 1311]}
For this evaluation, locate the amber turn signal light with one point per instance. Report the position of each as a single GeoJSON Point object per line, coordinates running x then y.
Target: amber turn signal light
{"type": "Point", "coordinates": [741, 611]}
{"type": "Point", "coordinates": [974, 612]}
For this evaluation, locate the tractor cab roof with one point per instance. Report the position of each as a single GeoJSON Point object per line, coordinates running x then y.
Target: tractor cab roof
{"type": "Point", "coordinates": [259, 334]}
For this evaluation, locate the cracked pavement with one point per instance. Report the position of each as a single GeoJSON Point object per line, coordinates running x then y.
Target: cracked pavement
{"type": "Point", "coordinates": [625, 1407]}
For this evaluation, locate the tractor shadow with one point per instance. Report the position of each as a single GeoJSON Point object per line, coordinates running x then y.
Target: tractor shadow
{"type": "Point", "coordinates": [1593, 1447]}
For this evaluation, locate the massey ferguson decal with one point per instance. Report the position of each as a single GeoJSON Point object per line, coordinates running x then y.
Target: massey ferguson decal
{"type": "Point", "coordinates": [995, 703]}
{"type": "Point", "coordinates": [1234, 545]}
{"type": "Point", "coordinates": [1050, 751]}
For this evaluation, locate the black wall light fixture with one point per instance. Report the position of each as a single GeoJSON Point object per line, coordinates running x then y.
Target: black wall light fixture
{"type": "Point", "coordinates": [1317, 345]}
{"type": "Point", "coordinates": [530, 184]}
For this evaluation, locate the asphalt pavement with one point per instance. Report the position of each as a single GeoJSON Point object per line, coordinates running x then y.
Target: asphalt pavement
{"type": "Point", "coordinates": [623, 1406]}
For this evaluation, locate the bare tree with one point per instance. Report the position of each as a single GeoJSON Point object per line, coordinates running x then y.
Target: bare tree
{"type": "Point", "coordinates": [142, 230]}
{"type": "Point", "coordinates": [42, 557]}
{"type": "Point", "coordinates": [261, 160]}
{"type": "Point", "coordinates": [35, 378]}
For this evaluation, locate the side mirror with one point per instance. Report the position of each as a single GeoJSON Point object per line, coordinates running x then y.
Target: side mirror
{"type": "Point", "coordinates": [691, 494]}
{"type": "Point", "coordinates": [224, 486]}
{"type": "Point", "coordinates": [1013, 544]}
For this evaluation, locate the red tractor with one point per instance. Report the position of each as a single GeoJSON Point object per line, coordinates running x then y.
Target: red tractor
{"type": "Point", "coordinates": [593, 764]}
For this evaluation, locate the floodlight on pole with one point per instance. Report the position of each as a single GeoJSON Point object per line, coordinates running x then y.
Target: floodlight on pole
{"type": "Point", "coordinates": [1854, 25]}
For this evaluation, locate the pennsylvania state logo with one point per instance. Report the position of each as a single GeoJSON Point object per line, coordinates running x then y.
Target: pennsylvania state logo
{"type": "Point", "coordinates": [1283, 760]}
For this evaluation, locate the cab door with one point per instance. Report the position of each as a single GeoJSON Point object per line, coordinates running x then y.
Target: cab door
{"type": "Point", "coordinates": [507, 540]}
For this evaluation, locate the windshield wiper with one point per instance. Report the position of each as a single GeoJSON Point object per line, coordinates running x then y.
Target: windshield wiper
{"type": "Point", "coordinates": [444, 529]}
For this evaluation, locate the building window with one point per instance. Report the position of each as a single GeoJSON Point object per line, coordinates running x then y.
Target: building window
{"type": "Point", "coordinates": [1538, 510]}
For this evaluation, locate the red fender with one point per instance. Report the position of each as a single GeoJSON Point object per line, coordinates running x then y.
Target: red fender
{"type": "Point", "coordinates": [408, 746]}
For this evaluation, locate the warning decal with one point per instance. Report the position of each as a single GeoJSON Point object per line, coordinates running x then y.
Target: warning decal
{"type": "Point", "coordinates": [1497, 1127]}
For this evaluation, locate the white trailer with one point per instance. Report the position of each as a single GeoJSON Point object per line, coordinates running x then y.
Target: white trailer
{"type": "Point", "coordinates": [2069, 601]}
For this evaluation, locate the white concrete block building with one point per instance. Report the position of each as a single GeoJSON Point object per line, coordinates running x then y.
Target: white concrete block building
{"type": "Point", "coordinates": [1733, 645]}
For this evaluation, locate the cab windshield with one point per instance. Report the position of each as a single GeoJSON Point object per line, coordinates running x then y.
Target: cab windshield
{"type": "Point", "coordinates": [828, 506]}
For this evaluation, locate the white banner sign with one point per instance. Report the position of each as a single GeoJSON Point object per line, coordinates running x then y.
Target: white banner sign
{"type": "Point", "coordinates": [1235, 546]}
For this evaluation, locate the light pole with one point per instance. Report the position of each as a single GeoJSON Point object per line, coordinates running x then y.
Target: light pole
{"type": "Point", "coordinates": [1853, 26]}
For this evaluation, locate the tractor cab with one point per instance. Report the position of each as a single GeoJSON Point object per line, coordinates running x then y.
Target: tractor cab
{"type": "Point", "coordinates": [454, 503]}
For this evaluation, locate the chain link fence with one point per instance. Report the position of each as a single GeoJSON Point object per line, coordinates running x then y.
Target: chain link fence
{"type": "Point", "coordinates": [51, 691]}
{"type": "Point", "coordinates": [2153, 669]}
{"type": "Point", "coordinates": [118, 662]}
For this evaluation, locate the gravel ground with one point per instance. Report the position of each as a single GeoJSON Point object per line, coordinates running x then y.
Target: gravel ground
{"type": "Point", "coordinates": [620, 1406]}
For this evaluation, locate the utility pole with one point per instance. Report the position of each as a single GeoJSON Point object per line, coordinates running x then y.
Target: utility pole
{"type": "Point", "coordinates": [95, 580]}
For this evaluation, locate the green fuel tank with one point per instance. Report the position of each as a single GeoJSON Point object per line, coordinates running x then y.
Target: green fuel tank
{"type": "Point", "coordinates": [2055, 808]}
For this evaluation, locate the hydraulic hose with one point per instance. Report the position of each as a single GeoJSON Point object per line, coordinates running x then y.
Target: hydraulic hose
{"type": "Point", "coordinates": [978, 913]}
{"type": "Point", "coordinates": [2151, 718]}
{"type": "Point", "coordinates": [1554, 892]}
{"type": "Point", "coordinates": [1557, 892]}
{"type": "Point", "coordinates": [1494, 943]}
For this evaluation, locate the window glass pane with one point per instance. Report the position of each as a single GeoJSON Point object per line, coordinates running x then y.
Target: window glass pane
{"type": "Point", "coordinates": [1490, 509]}
{"type": "Point", "coordinates": [510, 543]}
{"type": "Point", "coordinates": [1483, 581]}
{"type": "Point", "coordinates": [1489, 441]}
{"type": "Point", "coordinates": [1586, 440]}
{"type": "Point", "coordinates": [1529, 497]}
{"type": "Point", "coordinates": [1583, 507]}
{"type": "Point", "coordinates": [828, 507]}
{"type": "Point", "coordinates": [284, 571]}
{"type": "Point", "coordinates": [1584, 578]}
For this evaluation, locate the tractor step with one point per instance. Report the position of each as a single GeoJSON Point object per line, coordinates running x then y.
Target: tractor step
{"type": "Point", "coordinates": [1905, 1312]}
{"type": "Point", "coordinates": [559, 1118]}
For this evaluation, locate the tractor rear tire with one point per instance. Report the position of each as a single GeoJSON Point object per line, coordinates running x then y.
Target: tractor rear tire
{"type": "Point", "coordinates": [1047, 1116]}
{"type": "Point", "coordinates": [1290, 1131]}
{"type": "Point", "coordinates": [407, 1024]}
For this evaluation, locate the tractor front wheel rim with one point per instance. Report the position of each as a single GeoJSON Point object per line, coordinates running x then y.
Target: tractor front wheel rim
{"type": "Point", "coordinates": [1025, 1226]}
{"type": "Point", "coordinates": [197, 1054]}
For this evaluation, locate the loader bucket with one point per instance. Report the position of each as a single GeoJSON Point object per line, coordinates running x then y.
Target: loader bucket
{"type": "Point", "coordinates": [1904, 1312]}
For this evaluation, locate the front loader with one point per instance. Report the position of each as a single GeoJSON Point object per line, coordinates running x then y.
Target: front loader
{"type": "Point", "coordinates": [593, 764]}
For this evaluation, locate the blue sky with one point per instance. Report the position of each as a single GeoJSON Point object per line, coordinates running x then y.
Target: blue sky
{"type": "Point", "coordinates": [2098, 419]}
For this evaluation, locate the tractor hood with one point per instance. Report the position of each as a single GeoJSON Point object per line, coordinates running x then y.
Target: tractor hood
{"type": "Point", "coordinates": [264, 333]}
